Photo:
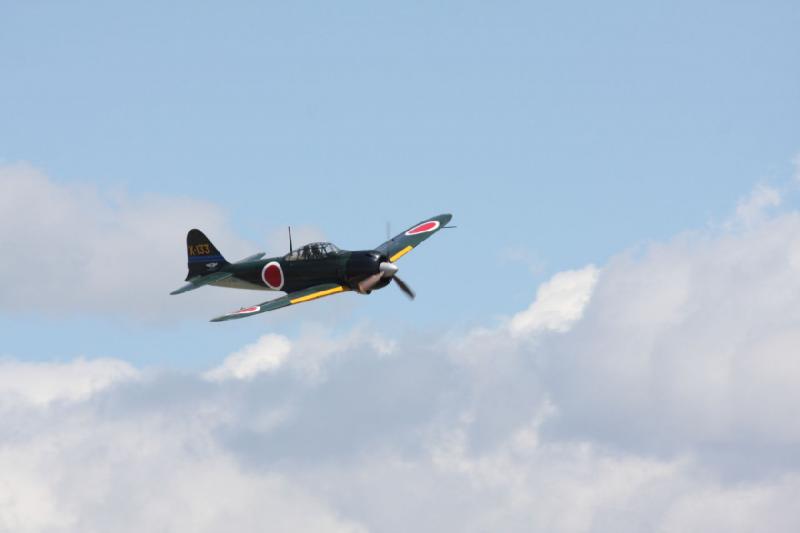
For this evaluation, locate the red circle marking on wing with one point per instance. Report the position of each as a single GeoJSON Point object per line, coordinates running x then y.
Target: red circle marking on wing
{"type": "Point", "coordinates": [272, 275]}
{"type": "Point", "coordinates": [248, 310]}
{"type": "Point", "coordinates": [424, 227]}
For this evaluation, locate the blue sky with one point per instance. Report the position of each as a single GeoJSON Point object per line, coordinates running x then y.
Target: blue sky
{"type": "Point", "coordinates": [557, 134]}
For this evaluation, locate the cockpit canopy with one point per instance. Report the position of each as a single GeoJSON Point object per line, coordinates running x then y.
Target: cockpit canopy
{"type": "Point", "coordinates": [314, 250]}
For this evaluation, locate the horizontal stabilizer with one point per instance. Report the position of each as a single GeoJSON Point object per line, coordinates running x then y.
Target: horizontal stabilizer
{"type": "Point", "coordinates": [198, 282]}
{"type": "Point", "coordinates": [254, 257]}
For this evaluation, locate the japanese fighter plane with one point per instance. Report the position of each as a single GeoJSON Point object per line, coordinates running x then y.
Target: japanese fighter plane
{"type": "Point", "coordinates": [313, 271]}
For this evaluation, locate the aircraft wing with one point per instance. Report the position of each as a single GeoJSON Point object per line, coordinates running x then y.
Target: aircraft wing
{"type": "Point", "coordinates": [199, 281]}
{"type": "Point", "coordinates": [305, 295]}
{"type": "Point", "coordinates": [400, 245]}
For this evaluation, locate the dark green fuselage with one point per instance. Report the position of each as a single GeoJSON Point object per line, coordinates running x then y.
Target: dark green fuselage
{"type": "Point", "coordinates": [345, 268]}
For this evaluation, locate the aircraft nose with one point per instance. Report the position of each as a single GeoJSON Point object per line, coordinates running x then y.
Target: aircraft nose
{"type": "Point", "coordinates": [363, 264]}
{"type": "Point", "coordinates": [388, 269]}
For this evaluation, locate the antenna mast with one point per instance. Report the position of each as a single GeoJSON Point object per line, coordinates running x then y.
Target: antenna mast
{"type": "Point", "coordinates": [290, 239]}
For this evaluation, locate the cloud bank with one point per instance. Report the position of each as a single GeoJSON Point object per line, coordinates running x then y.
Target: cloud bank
{"type": "Point", "coordinates": [84, 249]}
{"type": "Point", "coordinates": [658, 392]}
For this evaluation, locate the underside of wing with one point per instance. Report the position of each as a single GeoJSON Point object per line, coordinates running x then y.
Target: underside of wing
{"type": "Point", "coordinates": [401, 244]}
{"type": "Point", "coordinates": [305, 295]}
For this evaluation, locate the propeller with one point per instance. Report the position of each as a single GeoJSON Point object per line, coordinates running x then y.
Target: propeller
{"type": "Point", "coordinates": [403, 287]}
{"type": "Point", "coordinates": [366, 284]}
{"type": "Point", "coordinates": [388, 270]}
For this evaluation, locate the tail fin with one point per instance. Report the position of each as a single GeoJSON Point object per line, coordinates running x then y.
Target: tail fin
{"type": "Point", "coordinates": [204, 258]}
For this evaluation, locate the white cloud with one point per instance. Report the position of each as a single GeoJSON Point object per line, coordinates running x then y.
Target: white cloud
{"type": "Point", "coordinates": [661, 394]}
{"type": "Point", "coordinates": [753, 208]}
{"type": "Point", "coordinates": [126, 464]}
{"type": "Point", "coordinates": [692, 343]}
{"type": "Point", "coordinates": [559, 302]}
{"type": "Point", "coordinates": [267, 354]}
{"type": "Point", "coordinates": [84, 470]}
{"type": "Point", "coordinates": [43, 383]}
{"type": "Point", "coordinates": [306, 355]}
{"type": "Point", "coordinates": [82, 249]}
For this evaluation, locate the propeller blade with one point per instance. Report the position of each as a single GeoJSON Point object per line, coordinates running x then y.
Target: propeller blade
{"type": "Point", "coordinates": [403, 287]}
{"type": "Point", "coordinates": [367, 284]}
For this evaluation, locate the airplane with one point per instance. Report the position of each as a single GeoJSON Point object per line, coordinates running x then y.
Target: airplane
{"type": "Point", "coordinates": [312, 271]}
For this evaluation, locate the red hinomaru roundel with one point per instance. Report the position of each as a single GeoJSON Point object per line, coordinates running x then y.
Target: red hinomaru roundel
{"type": "Point", "coordinates": [425, 227]}
{"type": "Point", "coordinates": [272, 274]}
{"type": "Point", "coordinates": [248, 310]}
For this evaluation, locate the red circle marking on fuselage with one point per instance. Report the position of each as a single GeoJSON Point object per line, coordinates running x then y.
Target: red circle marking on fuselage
{"type": "Point", "coordinates": [424, 227]}
{"type": "Point", "coordinates": [272, 274]}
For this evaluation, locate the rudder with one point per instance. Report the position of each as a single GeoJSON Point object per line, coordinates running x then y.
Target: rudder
{"type": "Point", "coordinates": [203, 256]}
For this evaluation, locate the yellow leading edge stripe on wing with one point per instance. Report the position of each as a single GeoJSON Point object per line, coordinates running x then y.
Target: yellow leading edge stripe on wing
{"type": "Point", "coordinates": [315, 295]}
{"type": "Point", "coordinates": [401, 253]}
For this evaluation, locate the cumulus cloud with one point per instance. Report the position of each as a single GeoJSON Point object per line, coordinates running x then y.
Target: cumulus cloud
{"type": "Point", "coordinates": [753, 208]}
{"type": "Point", "coordinates": [266, 354]}
{"type": "Point", "coordinates": [87, 468]}
{"type": "Point", "coordinates": [690, 345]}
{"type": "Point", "coordinates": [85, 249]}
{"type": "Point", "coordinates": [658, 393]}
{"type": "Point", "coordinates": [559, 302]}
{"type": "Point", "coordinates": [43, 383]}
{"type": "Point", "coordinates": [306, 355]}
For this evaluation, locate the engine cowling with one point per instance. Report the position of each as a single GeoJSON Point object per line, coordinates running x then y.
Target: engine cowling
{"type": "Point", "coordinates": [361, 266]}
{"type": "Point", "coordinates": [368, 271]}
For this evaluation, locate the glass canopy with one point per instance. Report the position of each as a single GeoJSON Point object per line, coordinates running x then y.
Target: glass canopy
{"type": "Point", "coordinates": [315, 250]}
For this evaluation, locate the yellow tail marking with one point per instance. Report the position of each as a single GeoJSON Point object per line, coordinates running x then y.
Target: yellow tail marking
{"type": "Point", "coordinates": [401, 253]}
{"type": "Point", "coordinates": [315, 295]}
